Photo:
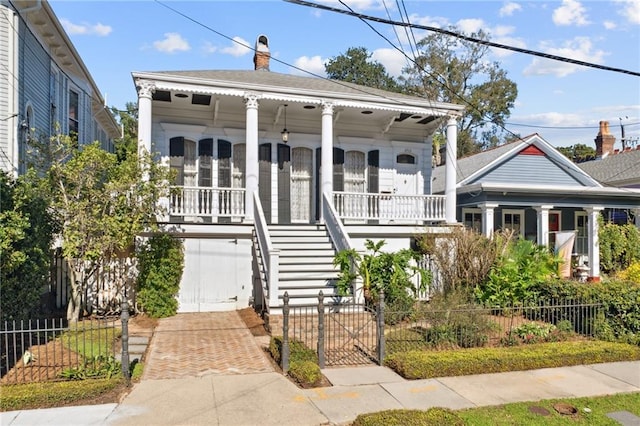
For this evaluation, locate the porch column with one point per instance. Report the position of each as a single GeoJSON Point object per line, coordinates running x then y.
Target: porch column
{"type": "Point", "coordinates": [594, 243]}
{"type": "Point", "coordinates": [251, 154]}
{"type": "Point", "coordinates": [327, 152]}
{"type": "Point", "coordinates": [145, 93]}
{"type": "Point", "coordinates": [543, 224]}
{"type": "Point", "coordinates": [450, 169]}
{"type": "Point", "coordinates": [487, 218]}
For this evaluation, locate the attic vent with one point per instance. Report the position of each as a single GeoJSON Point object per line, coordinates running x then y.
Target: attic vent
{"type": "Point", "coordinates": [162, 95]}
{"type": "Point", "coordinates": [405, 159]}
{"type": "Point", "coordinates": [531, 150]}
{"type": "Point", "coordinates": [200, 99]}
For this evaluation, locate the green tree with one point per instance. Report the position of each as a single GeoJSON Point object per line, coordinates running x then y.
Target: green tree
{"type": "Point", "coordinates": [578, 153]}
{"type": "Point", "coordinates": [448, 69]}
{"type": "Point", "coordinates": [26, 234]}
{"type": "Point", "coordinates": [101, 203]}
{"type": "Point", "coordinates": [128, 119]}
{"type": "Point", "coordinates": [356, 66]}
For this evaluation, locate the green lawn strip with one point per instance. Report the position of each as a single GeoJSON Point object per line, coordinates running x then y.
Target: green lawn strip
{"type": "Point", "coordinates": [92, 341]}
{"type": "Point", "coordinates": [53, 394]}
{"type": "Point", "coordinates": [511, 414]}
{"type": "Point", "coordinates": [460, 362]}
{"type": "Point", "coordinates": [519, 413]}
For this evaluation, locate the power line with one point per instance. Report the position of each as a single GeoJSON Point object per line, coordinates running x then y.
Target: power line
{"type": "Point", "coordinates": [463, 37]}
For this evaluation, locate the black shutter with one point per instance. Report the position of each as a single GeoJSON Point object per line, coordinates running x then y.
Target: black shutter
{"type": "Point", "coordinates": [176, 147]}
{"type": "Point", "coordinates": [373, 163]}
{"type": "Point", "coordinates": [264, 179]}
{"type": "Point", "coordinates": [284, 183]}
{"type": "Point", "coordinates": [338, 169]}
{"type": "Point", "coordinates": [224, 164]}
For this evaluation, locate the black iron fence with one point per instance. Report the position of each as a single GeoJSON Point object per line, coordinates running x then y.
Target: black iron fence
{"type": "Point", "coordinates": [54, 349]}
{"type": "Point", "coordinates": [351, 333]}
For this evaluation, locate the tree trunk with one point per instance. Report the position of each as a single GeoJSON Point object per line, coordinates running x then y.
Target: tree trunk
{"type": "Point", "coordinates": [73, 307]}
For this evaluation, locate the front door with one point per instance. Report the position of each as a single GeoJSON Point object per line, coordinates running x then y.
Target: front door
{"type": "Point", "coordinates": [301, 184]}
{"type": "Point", "coordinates": [407, 206]}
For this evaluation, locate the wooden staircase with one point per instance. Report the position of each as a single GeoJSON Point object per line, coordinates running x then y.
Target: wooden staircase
{"type": "Point", "coordinates": [305, 265]}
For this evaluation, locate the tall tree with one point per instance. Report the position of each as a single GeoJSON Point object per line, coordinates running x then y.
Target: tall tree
{"type": "Point", "coordinates": [448, 69]}
{"type": "Point", "coordinates": [356, 66]}
{"type": "Point", "coordinates": [128, 119]}
{"type": "Point", "coordinates": [578, 153]}
{"type": "Point", "coordinates": [101, 202]}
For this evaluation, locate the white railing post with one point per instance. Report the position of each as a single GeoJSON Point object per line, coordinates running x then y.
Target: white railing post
{"type": "Point", "coordinates": [270, 256]}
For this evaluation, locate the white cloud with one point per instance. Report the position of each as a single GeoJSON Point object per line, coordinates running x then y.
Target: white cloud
{"type": "Point", "coordinates": [469, 26]}
{"type": "Point", "coordinates": [609, 25]}
{"type": "Point", "coordinates": [509, 8]}
{"type": "Point", "coordinates": [85, 28]}
{"type": "Point", "coordinates": [392, 60]}
{"type": "Point", "coordinates": [172, 42]}
{"type": "Point", "coordinates": [240, 47]}
{"type": "Point", "coordinates": [209, 47]}
{"type": "Point", "coordinates": [313, 64]}
{"type": "Point", "coordinates": [570, 13]}
{"type": "Point", "coordinates": [580, 48]}
{"type": "Point", "coordinates": [630, 9]}
{"type": "Point", "coordinates": [502, 34]}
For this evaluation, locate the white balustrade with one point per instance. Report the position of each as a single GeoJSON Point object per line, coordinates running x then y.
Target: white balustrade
{"type": "Point", "coordinates": [392, 207]}
{"type": "Point", "coordinates": [193, 201]}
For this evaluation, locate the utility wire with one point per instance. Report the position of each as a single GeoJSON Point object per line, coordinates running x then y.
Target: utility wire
{"type": "Point", "coordinates": [463, 37]}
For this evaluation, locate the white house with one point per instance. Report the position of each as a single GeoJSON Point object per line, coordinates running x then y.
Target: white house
{"type": "Point", "coordinates": [45, 86]}
{"type": "Point", "coordinates": [275, 172]}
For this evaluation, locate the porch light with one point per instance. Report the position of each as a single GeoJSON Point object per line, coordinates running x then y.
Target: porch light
{"type": "Point", "coordinates": [285, 132]}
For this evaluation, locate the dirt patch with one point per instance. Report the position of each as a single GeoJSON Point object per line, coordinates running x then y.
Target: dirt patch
{"type": "Point", "coordinates": [43, 362]}
{"type": "Point", "coordinates": [253, 321]}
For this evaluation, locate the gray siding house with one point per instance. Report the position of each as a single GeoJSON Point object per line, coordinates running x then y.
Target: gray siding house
{"type": "Point", "coordinates": [45, 87]}
{"type": "Point", "coordinates": [530, 187]}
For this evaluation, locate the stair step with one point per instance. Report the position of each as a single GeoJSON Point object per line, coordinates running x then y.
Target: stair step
{"type": "Point", "coordinates": [300, 239]}
{"type": "Point", "coordinates": [138, 340]}
{"type": "Point", "coordinates": [308, 267]}
{"type": "Point", "coordinates": [307, 275]}
{"type": "Point", "coordinates": [302, 245]}
{"type": "Point", "coordinates": [296, 232]}
{"type": "Point", "coordinates": [317, 258]}
{"type": "Point", "coordinates": [296, 227]}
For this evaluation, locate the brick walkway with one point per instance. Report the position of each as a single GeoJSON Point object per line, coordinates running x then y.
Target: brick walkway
{"type": "Point", "coordinates": [198, 344]}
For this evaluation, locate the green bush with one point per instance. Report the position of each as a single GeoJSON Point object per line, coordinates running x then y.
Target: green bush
{"type": "Point", "coordinates": [429, 364]}
{"type": "Point", "coordinates": [306, 373]}
{"type": "Point", "coordinates": [97, 367]}
{"type": "Point", "coordinates": [161, 261]}
{"type": "Point", "coordinates": [432, 417]}
{"type": "Point", "coordinates": [620, 319]}
{"type": "Point", "coordinates": [619, 246]}
{"type": "Point", "coordinates": [632, 273]}
{"type": "Point", "coordinates": [298, 351]}
{"type": "Point", "coordinates": [53, 394]}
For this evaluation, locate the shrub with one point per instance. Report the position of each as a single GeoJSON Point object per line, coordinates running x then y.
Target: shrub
{"type": "Point", "coordinates": [161, 261]}
{"type": "Point", "coordinates": [432, 417]}
{"type": "Point", "coordinates": [463, 257]}
{"type": "Point", "coordinates": [460, 362]}
{"type": "Point", "coordinates": [522, 266]}
{"type": "Point", "coordinates": [619, 246]}
{"type": "Point", "coordinates": [97, 367]}
{"type": "Point", "coordinates": [632, 273]}
{"type": "Point", "coordinates": [298, 351]}
{"type": "Point", "coordinates": [620, 317]}
{"type": "Point", "coordinates": [306, 373]}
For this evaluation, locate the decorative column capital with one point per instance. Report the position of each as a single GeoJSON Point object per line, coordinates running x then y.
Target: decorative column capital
{"type": "Point", "coordinates": [327, 108]}
{"type": "Point", "coordinates": [594, 209]}
{"type": "Point", "coordinates": [145, 88]}
{"type": "Point", "coordinates": [543, 208]}
{"type": "Point", "coordinates": [452, 121]}
{"type": "Point", "coordinates": [488, 206]}
{"type": "Point", "coordinates": [251, 100]}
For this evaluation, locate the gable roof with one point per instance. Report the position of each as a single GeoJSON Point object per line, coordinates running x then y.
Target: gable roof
{"type": "Point", "coordinates": [480, 166]}
{"type": "Point", "coordinates": [618, 169]}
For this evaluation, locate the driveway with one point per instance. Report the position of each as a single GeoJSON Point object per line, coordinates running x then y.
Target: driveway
{"type": "Point", "coordinates": [199, 344]}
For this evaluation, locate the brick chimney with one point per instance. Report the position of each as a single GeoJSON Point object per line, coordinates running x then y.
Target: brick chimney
{"type": "Point", "coordinates": [604, 141]}
{"type": "Point", "coordinates": [262, 54]}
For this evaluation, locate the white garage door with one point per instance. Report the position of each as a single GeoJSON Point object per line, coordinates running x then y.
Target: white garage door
{"type": "Point", "coordinates": [215, 275]}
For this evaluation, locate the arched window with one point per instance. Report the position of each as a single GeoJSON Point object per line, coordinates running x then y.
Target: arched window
{"type": "Point", "coordinates": [405, 159]}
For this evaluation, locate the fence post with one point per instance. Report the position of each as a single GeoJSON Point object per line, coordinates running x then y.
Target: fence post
{"type": "Point", "coordinates": [380, 329]}
{"type": "Point", "coordinates": [124, 316]}
{"type": "Point", "coordinates": [285, 333]}
{"type": "Point", "coordinates": [321, 359]}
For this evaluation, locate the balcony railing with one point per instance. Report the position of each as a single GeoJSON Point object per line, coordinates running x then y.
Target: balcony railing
{"type": "Point", "coordinates": [193, 201]}
{"type": "Point", "coordinates": [213, 203]}
{"type": "Point", "coordinates": [390, 207]}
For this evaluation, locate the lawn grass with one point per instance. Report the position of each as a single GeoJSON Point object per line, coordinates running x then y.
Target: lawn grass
{"type": "Point", "coordinates": [591, 411]}
{"type": "Point", "coordinates": [91, 341]}
{"type": "Point", "coordinates": [519, 413]}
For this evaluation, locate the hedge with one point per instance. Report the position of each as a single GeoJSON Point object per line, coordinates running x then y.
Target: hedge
{"type": "Point", "coordinates": [460, 362]}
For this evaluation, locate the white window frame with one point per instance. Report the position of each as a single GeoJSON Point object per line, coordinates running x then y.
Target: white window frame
{"type": "Point", "coordinates": [514, 212]}
{"type": "Point", "coordinates": [474, 212]}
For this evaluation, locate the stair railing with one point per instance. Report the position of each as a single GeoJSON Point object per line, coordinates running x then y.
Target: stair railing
{"type": "Point", "coordinates": [270, 256]}
{"type": "Point", "coordinates": [334, 225]}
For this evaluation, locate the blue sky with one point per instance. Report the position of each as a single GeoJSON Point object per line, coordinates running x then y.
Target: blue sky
{"type": "Point", "coordinates": [560, 101]}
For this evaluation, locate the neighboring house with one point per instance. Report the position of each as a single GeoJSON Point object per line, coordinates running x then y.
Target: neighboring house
{"type": "Point", "coordinates": [265, 160]}
{"type": "Point", "coordinates": [530, 187]}
{"type": "Point", "coordinates": [45, 87]}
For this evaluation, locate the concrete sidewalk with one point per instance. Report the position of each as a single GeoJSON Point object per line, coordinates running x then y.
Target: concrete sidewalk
{"type": "Point", "coordinates": [271, 399]}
